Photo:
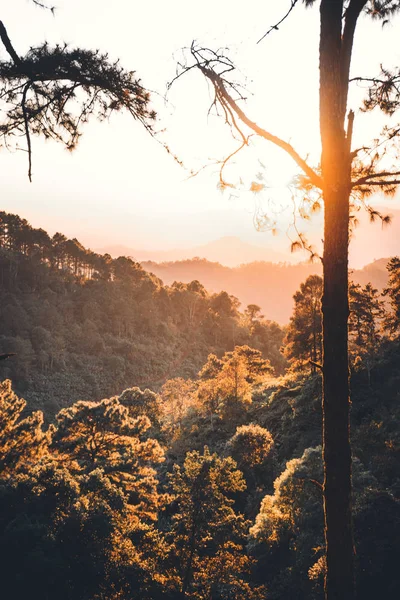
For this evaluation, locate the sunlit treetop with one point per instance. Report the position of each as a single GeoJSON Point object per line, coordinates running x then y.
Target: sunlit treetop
{"type": "Point", "coordinates": [22, 440]}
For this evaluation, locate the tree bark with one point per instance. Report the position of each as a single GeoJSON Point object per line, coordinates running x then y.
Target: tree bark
{"type": "Point", "coordinates": [339, 584]}
{"type": "Point", "coordinates": [336, 175]}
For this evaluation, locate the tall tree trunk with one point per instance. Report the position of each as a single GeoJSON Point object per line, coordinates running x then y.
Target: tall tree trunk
{"type": "Point", "coordinates": [339, 583]}
{"type": "Point", "coordinates": [336, 174]}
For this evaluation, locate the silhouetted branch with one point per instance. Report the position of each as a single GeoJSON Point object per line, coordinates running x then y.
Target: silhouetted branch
{"type": "Point", "coordinates": [351, 16]}
{"type": "Point", "coordinates": [43, 5]}
{"type": "Point", "coordinates": [206, 61]}
{"type": "Point", "coordinates": [40, 92]}
{"type": "Point", "coordinates": [383, 183]}
{"type": "Point", "coordinates": [8, 45]}
{"type": "Point", "coordinates": [276, 26]}
{"type": "Point", "coordinates": [376, 179]}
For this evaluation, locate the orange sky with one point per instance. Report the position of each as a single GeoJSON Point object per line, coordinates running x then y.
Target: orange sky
{"type": "Point", "coordinates": [120, 186]}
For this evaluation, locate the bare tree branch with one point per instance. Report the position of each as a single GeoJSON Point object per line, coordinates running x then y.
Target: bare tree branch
{"type": "Point", "coordinates": [222, 181]}
{"type": "Point", "coordinates": [276, 26]}
{"type": "Point", "coordinates": [224, 94]}
{"type": "Point", "coordinates": [226, 100]}
{"type": "Point", "coordinates": [43, 5]}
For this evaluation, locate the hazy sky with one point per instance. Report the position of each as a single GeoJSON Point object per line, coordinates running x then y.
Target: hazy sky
{"type": "Point", "coordinates": [120, 186]}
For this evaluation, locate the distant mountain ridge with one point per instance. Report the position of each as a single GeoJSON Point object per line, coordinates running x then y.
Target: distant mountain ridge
{"type": "Point", "coordinates": [238, 245]}
{"type": "Point", "coordinates": [270, 285]}
{"type": "Point", "coordinates": [230, 251]}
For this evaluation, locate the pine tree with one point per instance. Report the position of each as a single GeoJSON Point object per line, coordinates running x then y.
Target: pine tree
{"type": "Point", "coordinates": [253, 312]}
{"type": "Point", "coordinates": [392, 321]}
{"type": "Point", "coordinates": [252, 448]}
{"type": "Point", "coordinates": [102, 435]}
{"type": "Point", "coordinates": [176, 397]}
{"type": "Point", "coordinates": [208, 535]}
{"type": "Point", "coordinates": [22, 440]}
{"type": "Point", "coordinates": [303, 342]}
{"type": "Point", "coordinates": [365, 323]}
{"type": "Point", "coordinates": [142, 402]}
{"type": "Point", "coordinates": [341, 179]}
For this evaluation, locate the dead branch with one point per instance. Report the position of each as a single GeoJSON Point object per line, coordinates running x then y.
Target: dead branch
{"type": "Point", "coordinates": [226, 100]}
{"type": "Point", "coordinates": [276, 26]}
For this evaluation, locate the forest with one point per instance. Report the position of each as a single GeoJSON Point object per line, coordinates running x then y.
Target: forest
{"type": "Point", "coordinates": [84, 325]}
{"type": "Point", "coordinates": [166, 433]}
{"type": "Point", "coordinates": [204, 481]}
{"type": "Point", "coordinates": [269, 285]}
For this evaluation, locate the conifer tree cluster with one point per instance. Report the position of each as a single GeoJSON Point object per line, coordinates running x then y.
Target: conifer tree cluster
{"type": "Point", "coordinates": [84, 325]}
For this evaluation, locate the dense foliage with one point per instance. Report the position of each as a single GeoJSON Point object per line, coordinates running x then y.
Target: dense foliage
{"type": "Point", "coordinates": [84, 325]}
{"type": "Point", "coordinates": [266, 284]}
{"type": "Point", "coordinates": [209, 487]}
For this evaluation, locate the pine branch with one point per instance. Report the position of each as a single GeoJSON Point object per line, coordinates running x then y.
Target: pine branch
{"type": "Point", "coordinates": [8, 45]}
{"type": "Point", "coordinates": [40, 91]}
{"type": "Point", "coordinates": [376, 179]}
{"type": "Point", "coordinates": [384, 183]}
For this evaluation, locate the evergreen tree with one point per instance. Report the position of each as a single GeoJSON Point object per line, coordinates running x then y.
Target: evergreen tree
{"type": "Point", "coordinates": [252, 448]}
{"type": "Point", "coordinates": [212, 368]}
{"type": "Point", "coordinates": [102, 435]}
{"type": "Point", "coordinates": [253, 312]}
{"type": "Point", "coordinates": [365, 323]}
{"type": "Point", "coordinates": [208, 535]}
{"type": "Point", "coordinates": [288, 535]}
{"type": "Point", "coordinates": [224, 388]}
{"type": "Point", "coordinates": [257, 367]}
{"type": "Point", "coordinates": [303, 342]}
{"type": "Point", "coordinates": [392, 321]}
{"type": "Point", "coordinates": [71, 537]}
{"type": "Point", "coordinates": [142, 402]}
{"type": "Point", "coordinates": [22, 440]}
{"type": "Point", "coordinates": [177, 396]}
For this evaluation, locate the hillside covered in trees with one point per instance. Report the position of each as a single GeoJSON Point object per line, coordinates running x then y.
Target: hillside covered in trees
{"type": "Point", "coordinates": [164, 437]}
{"type": "Point", "coordinates": [84, 325]}
{"type": "Point", "coordinates": [169, 446]}
{"type": "Point", "coordinates": [270, 285]}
